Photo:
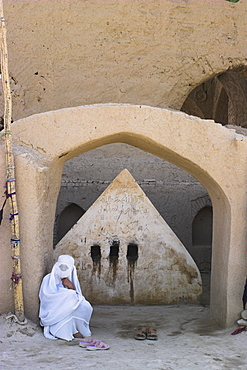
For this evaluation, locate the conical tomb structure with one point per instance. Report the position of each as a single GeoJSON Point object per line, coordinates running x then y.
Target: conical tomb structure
{"type": "Point", "coordinates": [126, 253]}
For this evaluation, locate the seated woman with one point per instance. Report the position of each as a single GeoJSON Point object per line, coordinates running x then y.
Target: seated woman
{"type": "Point", "coordinates": [64, 312]}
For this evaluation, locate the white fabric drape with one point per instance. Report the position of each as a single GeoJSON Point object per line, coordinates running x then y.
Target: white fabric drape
{"type": "Point", "coordinates": [63, 310]}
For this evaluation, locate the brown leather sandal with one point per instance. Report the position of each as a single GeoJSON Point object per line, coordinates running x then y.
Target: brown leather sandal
{"type": "Point", "coordinates": [141, 333]}
{"type": "Point", "coordinates": [152, 333]}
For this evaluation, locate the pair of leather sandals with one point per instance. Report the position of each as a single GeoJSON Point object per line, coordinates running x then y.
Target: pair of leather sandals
{"type": "Point", "coordinates": [146, 333]}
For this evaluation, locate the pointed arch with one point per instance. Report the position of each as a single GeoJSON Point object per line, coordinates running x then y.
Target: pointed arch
{"type": "Point", "coordinates": [66, 220]}
{"type": "Point", "coordinates": [201, 147]}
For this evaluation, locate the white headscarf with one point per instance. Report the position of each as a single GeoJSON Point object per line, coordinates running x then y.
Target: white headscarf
{"type": "Point", "coordinates": [57, 301]}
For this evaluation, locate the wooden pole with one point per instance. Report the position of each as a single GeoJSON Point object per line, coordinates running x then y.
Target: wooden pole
{"type": "Point", "coordinates": [10, 176]}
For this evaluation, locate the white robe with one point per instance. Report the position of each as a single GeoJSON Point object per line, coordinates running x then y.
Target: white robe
{"type": "Point", "coordinates": [63, 312]}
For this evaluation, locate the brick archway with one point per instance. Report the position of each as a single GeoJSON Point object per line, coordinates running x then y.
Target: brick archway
{"type": "Point", "coordinates": [45, 141]}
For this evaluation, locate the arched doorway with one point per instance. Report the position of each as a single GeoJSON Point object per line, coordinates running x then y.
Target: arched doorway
{"type": "Point", "coordinates": [66, 219]}
{"type": "Point", "coordinates": [151, 130]}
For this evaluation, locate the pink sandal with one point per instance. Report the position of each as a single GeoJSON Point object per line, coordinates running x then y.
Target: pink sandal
{"type": "Point", "coordinates": [90, 342]}
{"type": "Point", "coordinates": [97, 346]}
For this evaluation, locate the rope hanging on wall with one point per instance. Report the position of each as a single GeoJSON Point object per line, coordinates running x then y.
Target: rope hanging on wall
{"type": "Point", "coordinates": [16, 276]}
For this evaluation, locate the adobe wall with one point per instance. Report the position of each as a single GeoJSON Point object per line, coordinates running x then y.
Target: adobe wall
{"type": "Point", "coordinates": [72, 53]}
{"type": "Point", "coordinates": [206, 150]}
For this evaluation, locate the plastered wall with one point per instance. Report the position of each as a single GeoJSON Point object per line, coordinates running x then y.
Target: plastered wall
{"type": "Point", "coordinates": [65, 53]}
{"type": "Point", "coordinates": [40, 158]}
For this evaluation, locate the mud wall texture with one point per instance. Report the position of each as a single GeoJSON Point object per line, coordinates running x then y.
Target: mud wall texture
{"type": "Point", "coordinates": [69, 53]}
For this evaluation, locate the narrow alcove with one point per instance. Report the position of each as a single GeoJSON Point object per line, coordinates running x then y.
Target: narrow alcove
{"type": "Point", "coordinates": [114, 251]}
{"type": "Point", "coordinates": [113, 258]}
{"type": "Point", "coordinates": [95, 253]}
{"type": "Point", "coordinates": [132, 252]}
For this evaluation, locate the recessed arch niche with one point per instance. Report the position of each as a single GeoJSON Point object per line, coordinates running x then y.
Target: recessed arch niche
{"type": "Point", "coordinates": [171, 135]}
{"type": "Point", "coordinates": [222, 98]}
{"type": "Point", "coordinates": [66, 219]}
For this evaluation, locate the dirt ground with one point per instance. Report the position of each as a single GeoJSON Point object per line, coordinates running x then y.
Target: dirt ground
{"type": "Point", "coordinates": [187, 339]}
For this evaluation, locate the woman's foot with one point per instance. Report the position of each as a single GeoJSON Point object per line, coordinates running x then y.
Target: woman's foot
{"type": "Point", "coordinates": [78, 335]}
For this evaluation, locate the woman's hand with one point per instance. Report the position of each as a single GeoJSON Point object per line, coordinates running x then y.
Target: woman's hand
{"type": "Point", "coordinates": [67, 283]}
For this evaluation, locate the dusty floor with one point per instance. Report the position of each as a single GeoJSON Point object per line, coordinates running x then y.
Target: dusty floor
{"type": "Point", "coordinates": [187, 339]}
